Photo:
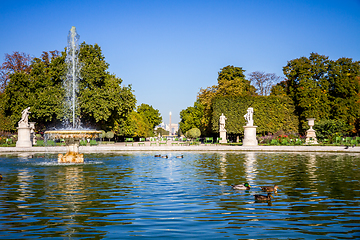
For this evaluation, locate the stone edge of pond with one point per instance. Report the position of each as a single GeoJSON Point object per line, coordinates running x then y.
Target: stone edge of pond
{"type": "Point", "coordinates": [116, 148]}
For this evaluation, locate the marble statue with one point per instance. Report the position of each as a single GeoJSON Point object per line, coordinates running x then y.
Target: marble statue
{"type": "Point", "coordinates": [249, 117]}
{"type": "Point", "coordinates": [222, 122]}
{"type": "Point", "coordinates": [24, 130]}
{"type": "Point", "coordinates": [24, 121]}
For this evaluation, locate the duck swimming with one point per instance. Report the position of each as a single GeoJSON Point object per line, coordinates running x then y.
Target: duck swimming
{"type": "Point", "coordinates": [165, 156]}
{"type": "Point", "coordinates": [263, 197]}
{"type": "Point", "coordinates": [1, 177]}
{"type": "Point", "coordinates": [270, 189]}
{"type": "Point", "coordinates": [157, 155]}
{"type": "Point", "coordinates": [180, 156]}
{"type": "Point", "coordinates": [245, 186]}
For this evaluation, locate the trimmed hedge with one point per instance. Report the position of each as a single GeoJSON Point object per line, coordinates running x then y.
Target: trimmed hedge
{"type": "Point", "coordinates": [271, 114]}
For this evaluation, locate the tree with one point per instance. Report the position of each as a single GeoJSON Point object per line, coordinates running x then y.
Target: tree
{"type": "Point", "coordinates": [152, 115]}
{"type": "Point", "coordinates": [16, 62]}
{"type": "Point", "coordinates": [263, 81]}
{"type": "Point", "coordinates": [344, 91]}
{"type": "Point", "coordinates": [161, 131]}
{"type": "Point", "coordinates": [231, 81]}
{"type": "Point", "coordinates": [134, 125]}
{"type": "Point", "coordinates": [191, 117]}
{"type": "Point", "coordinates": [193, 133]}
{"type": "Point", "coordinates": [102, 99]}
{"type": "Point", "coordinates": [33, 90]}
{"type": "Point", "coordinates": [324, 89]}
{"type": "Point", "coordinates": [308, 86]}
{"type": "Point", "coordinates": [109, 135]}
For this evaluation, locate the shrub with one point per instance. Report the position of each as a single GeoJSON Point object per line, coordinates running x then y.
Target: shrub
{"type": "Point", "coordinates": [50, 143]}
{"type": "Point", "coordinates": [109, 135]}
{"type": "Point", "coordinates": [330, 129]}
{"type": "Point", "coordinates": [40, 143]}
{"type": "Point", "coordinates": [193, 133]}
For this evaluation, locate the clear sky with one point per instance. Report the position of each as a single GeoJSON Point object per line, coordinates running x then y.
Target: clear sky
{"type": "Point", "coordinates": [168, 50]}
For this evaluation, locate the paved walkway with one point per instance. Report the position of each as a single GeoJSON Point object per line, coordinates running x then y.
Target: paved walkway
{"type": "Point", "coordinates": [120, 147]}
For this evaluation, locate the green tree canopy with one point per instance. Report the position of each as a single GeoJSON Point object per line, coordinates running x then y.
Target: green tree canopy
{"type": "Point", "coordinates": [231, 82]}
{"type": "Point", "coordinates": [40, 89]}
{"type": "Point", "coordinates": [103, 101]}
{"type": "Point", "coordinates": [152, 115]}
{"type": "Point", "coordinates": [191, 117]}
{"type": "Point", "coordinates": [193, 133]}
{"type": "Point", "coordinates": [323, 89]}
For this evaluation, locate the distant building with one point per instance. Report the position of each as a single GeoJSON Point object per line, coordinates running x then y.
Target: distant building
{"type": "Point", "coordinates": [174, 127]}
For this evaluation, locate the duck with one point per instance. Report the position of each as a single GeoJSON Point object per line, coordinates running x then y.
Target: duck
{"type": "Point", "coordinates": [244, 186]}
{"type": "Point", "coordinates": [263, 197]}
{"type": "Point", "coordinates": [180, 156]}
{"type": "Point", "coordinates": [165, 156]}
{"type": "Point", "coordinates": [158, 155]}
{"type": "Point", "coordinates": [270, 189]}
{"type": "Point", "coordinates": [1, 177]}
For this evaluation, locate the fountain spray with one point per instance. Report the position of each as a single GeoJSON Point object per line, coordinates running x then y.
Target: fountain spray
{"type": "Point", "coordinates": [71, 82]}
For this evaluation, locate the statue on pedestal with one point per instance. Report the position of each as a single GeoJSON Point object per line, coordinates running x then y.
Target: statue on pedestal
{"type": "Point", "coordinates": [24, 121]}
{"type": "Point", "coordinates": [222, 129]}
{"type": "Point", "coordinates": [249, 117]}
{"type": "Point", "coordinates": [249, 129]}
{"type": "Point", "coordinates": [222, 122]}
{"type": "Point", "coordinates": [24, 130]}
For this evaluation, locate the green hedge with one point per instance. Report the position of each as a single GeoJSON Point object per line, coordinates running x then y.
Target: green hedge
{"type": "Point", "coordinates": [271, 114]}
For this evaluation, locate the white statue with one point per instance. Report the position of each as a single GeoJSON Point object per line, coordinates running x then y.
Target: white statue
{"type": "Point", "coordinates": [24, 121]}
{"type": "Point", "coordinates": [222, 122]}
{"type": "Point", "coordinates": [249, 117]}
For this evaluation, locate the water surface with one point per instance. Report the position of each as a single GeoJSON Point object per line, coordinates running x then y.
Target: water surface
{"type": "Point", "coordinates": [124, 196]}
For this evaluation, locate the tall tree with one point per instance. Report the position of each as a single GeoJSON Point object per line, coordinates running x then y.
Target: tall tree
{"type": "Point", "coordinates": [323, 88]}
{"type": "Point", "coordinates": [344, 91]}
{"type": "Point", "coordinates": [263, 82]}
{"type": "Point", "coordinates": [152, 115]}
{"type": "Point", "coordinates": [16, 62]}
{"type": "Point", "coordinates": [191, 117]}
{"type": "Point", "coordinates": [103, 101]}
{"type": "Point", "coordinates": [231, 81]}
{"type": "Point", "coordinates": [308, 86]}
{"type": "Point", "coordinates": [40, 89]}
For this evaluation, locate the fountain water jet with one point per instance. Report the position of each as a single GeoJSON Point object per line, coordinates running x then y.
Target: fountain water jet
{"type": "Point", "coordinates": [73, 132]}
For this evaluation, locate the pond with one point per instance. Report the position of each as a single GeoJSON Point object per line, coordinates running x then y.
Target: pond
{"type": "Point", "coordinates": [136, 195]}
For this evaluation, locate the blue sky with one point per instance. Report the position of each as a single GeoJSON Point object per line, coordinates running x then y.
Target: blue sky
{"type": "Point", "coordinates": [168, 50]}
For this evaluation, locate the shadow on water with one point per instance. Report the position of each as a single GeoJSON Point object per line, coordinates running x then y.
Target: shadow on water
{"type": "Point", "coordinates": [137, 195]}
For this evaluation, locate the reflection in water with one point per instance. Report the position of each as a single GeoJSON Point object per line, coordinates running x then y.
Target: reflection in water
{"type": "Point", "coordinates": [24, 188]}
{"type": "Point", "coordinates": [250, 168]}
{"type": "Point", "coordinates": [223, 166]}
{"type": "Point", "coordinates": [311, 167]}
{"type": "Point", "coordinates": [137, 195]}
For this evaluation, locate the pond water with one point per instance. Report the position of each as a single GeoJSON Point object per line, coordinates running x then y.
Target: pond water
{"type": "Point", "coordinates": [135, 195]}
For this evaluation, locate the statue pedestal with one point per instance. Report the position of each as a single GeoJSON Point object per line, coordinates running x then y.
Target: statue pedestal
{"type": "Point", "coordinates": [24, 137]}
{"type": "Point", "coordinates": [223, 137]}
{"type": "Point", "coordinates": [250, 136]}
{"type": "Point", "coordinates": [311, 137]}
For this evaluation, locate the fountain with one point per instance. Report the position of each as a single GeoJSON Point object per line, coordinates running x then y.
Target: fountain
{"type": "Point", "coordinates": [72, 133]}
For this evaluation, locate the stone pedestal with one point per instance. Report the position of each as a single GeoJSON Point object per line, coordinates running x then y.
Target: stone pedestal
{"type": "Point", "coordinates": [72, 154]}
{"type": "Point", "coordinates": [32, 133]}
{"type": "Point", "coordinates": [310, 134]}
{"type": "Point", "coordinates": [24, 137]}
{"type": "Point", "coordinates": [250, 136]}
{"type": "Point", "coordinates": [311, 137]}
{"type": "Point", "coordinates": [223, 137]}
